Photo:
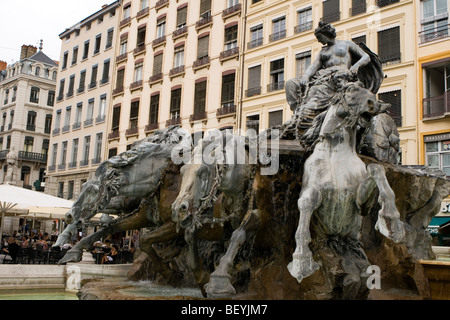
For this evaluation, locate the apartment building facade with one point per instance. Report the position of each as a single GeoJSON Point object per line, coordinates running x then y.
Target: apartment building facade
{"type": "Point", "coordinates": [27, 98]}
{"type": "Point", "coordinates": [433, 77]}
{"type": "Point", "coordinates": [82, 101]}
{"type": "Point", "coordinates": [281, 45]}
{"type": "Point", "coordinates": [177, 63]}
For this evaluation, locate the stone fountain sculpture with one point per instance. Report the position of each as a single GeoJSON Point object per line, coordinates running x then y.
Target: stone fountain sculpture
{"type": "Point", "coordinates": [336, 206]}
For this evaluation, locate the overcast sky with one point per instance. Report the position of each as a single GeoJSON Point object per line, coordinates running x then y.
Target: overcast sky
{"type": "Point", "coordinates": [29, 21]}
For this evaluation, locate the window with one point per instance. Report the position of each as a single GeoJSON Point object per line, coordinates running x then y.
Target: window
{"type": "Point", "coordinates": [61, 89]}
{"type": "Point", "coordinates": [63, 158]}
{"type": "Point", "coordinates": [102, 109]}
{"type": "Point", "coordinates": [138, 68]}
{"type": "Point", "coordinates": [112, 152]}
{"type": "Point", "coordinates": [25, 175]}
{"type": "Point", "coordinates": [105, 75]}
{"type": "Point", "coordinates": [123, 45]}
{"type": "Point", "coordinates": [175, 103]}
{"type": "Point", "coordinates": [437, 150]}
{"type": "Point", "coordinates": [54, 154]}
{"type": "Point", "coordinates": [304, 20]}
{"type": "Point", "coordinates": [51, 98]}
{"type": "Point", "coordinates": [395, 99]}
{"type": "Point", "coordinates": [45, 144]}
{"type": "Point", "coordinates": [331, 11]}
{"type": "Point", "coordinates": [74, 159]}
{"type": "Point", "coordinates": [141, 36]}
{"type": "Point", "coordinates": [228, 83]}
{"type": "Point", "coordinates": [48, 123]}
{"type": "Point", "coordinates": [58, 119]}
{"type": "Point", "coordinates": [66, 126]}
{"type": "Point", "coordinates": [81, 86]}
{"type": "Point", "coordinates": [86, 149]}
{"type": "Point", "coordinates": [65, 58]}
{"type": "Point", "coordinates": [254, 81]}
{"type": "Point", "coordinates": [231, 37]}
{"type": "Point", "coordinates": [360, 39]}
{"type": "Point", "coordinates": [134, 115]}
{"type": "Point", "coordinates": [93, 83]}
{"type": "Point", "coordinates": [116, 119]}
{"type": "Point", "coordinates": [436, 102]}
{"type": "Point", "coordinates": [109, 38]}
{"type": "Point", "coordinates": [14, 96]}
{"type": "Point", "coordinates": [434, 20]}
{"type": "Point", "coordinates": [160, 27]}
{"type": "Point", "coordinates": [203, 47]}
{"type": "Point", "coordinates": [120, 78]}
{"type": "Point", "coordinates": [157, 64]}
{"type": "Point", "coordinates": [144, 4]}
{"type": "Point", "coordinates": [205, 8]}
{"type": "Point", "coordinates": [70, 191]}
{"type": "Point", "coordinates": [78, 113]}
{"type": "Point", "coordinates": [71, 85]}
{"type": "Point", "coordinates": [6, 96]}
{"type": "Point", "coordinates": [154, 109]}
{"type": "Point", "coordinates": [276, 75]}
{"type": "Point", "coordinates": [89, 113]}
{"type": "Point", "coordinates": [178, 60]}
{"type": "Point", "coordinates": [302, 61]}
{"type": "Point", "coordinates": [98, 148]}
{"type": "Point", "coordinates": [389, 45]}
{"type": "Point", "coordinates": [181, 17]}
{"type": "Point", "coordinates": [232, 3]}
{"type": "Point", "coordinates": [34, 96]}
{"type": "Point", "coordinates": [74, 55]}
{"type": "Point", "coordinates": [61, 189]}
{"type": "Point", "coordinates": [275, 118]}
{"type": "Point", "coordinates": [278, 29]}
{"type": "Point", "coordinates": [127, 12]}
{"type": "Point", "coordinates": [98, 41]}
{"type": "Point", "coordinates": [200, 97]}
{"type": "Point", "coordinates": [358, 7]}
{"type": "Point", "coordinates": [256, 36]}
{"type": "Point", "coordinates": [86, 50]}
{"type": "Point", "coordinates": [253, 123]}
{"type": "Point", "coordinates": [37, 71]}
{"type": "Point", "coordinates": [31, 121]}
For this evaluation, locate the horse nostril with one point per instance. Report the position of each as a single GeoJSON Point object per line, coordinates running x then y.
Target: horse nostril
{"type": "Point", "coordinates": [183, 207]}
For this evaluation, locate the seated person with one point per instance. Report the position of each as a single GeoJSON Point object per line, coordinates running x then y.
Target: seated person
{"type": "Point", "coordinates": [10, 251]}
{"type": "Point", "coordinates": [109, 257]}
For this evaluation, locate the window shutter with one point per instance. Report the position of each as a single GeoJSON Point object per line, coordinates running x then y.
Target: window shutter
{"type": "Point", "coordinates": [203, 46]}
{"type": "Point", "coordinates": [254, 77]}
{"type": "Point", "coordinates": [157, 64]}
{"type": "Point", "coordinates": [389, 44]}
{"type": "Point", "coordinates": [200, 97]}
{"type": "Point", "coordinates": [181, 16]}
{"type": "Point", "coordinates": [205, 6]}
{"type": "Point", "coordinates": [275, 118]}
{"type": "Point", "coordinates": [116, 117]}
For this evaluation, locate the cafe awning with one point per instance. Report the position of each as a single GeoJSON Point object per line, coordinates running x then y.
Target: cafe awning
{"type": "Point", "coordinates": [435, 223]}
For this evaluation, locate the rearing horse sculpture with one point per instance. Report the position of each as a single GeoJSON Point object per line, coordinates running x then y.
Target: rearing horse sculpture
{"type": "Point", "coordinates": [337, 184]}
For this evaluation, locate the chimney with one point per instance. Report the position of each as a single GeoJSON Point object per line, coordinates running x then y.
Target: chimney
{"type": "Point", "coordinates": [3, 65]}
{"type": "Point", "coordinates": [27, 51]}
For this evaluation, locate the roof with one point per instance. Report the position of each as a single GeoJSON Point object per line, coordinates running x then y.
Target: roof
{"type": "Point", "coordinates": [42, 57]}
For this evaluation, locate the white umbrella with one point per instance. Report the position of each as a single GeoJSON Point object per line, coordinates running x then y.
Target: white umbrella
{"type": "Point", "coordinates": [38, 203]}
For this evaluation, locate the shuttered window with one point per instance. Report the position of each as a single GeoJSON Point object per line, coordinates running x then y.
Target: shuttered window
{"type": "Point", "coordinates": [200, 97]}
{"type": "Point", "coordinates": [331, 11]}
{"type": "Point", "coordinates": [228, 89]}
{"type": "Point", "coordinates": [395, 99]}
{"type": "Point", "coordinates": [116, 118]}
{"type": "Point", "coordinates": [275, 118]}
{"type": "Point", "coordinates": [205, 7]}
{"type": "Point", "coordinates": [134, 114]}
{"type": "Point", "coordinates": [157, 64]}
{"type": "Point", "coordinates": [154, 109]}
{"type": "Point", "coordinates": [120, 78]}
{"type": "Point", "coordinates": [360, 39]}
{"type": "Point", "coordinates": [175, 103]}
{"type": "Point", "coordinates": [203, 47]}
{"type": "Point", "coordinates": [181, 17]}
{"type": "Point", "coordinates": [254, 81]}
{"type": "Point", "coordinates": [389, 45]}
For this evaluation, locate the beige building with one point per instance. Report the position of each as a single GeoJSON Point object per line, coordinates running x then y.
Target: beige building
{"type": "Point", "coordinates": [281, 44]}
{"type": "Point", "coordinates": [27, 97]}
{"type": "Point", "coordinates": [177, 63]}
{"type": "Point", "coordinates": [82, 99]}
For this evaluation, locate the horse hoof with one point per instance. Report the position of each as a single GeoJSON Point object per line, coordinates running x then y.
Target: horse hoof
{"type": "Point", "coordinates": [74, 256]}
{"type": "Point", "coordinates": [219, 286]}
{"type": "Point", "coordinates": [302, 267]}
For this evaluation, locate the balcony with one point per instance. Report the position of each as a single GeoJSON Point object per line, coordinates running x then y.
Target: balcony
{"type": "Point", "coordinates": [275, 86]}
{"type": "Point", "coordinates": [56, 131]}
{"type": "Point", "coordinates": [31, 127]}
{"type": "Point", "coordinates": [179, 32]}
{"type": "Point", "coordinates": [151, 127]}
{"type": "Point", "coordinates": [125, 22]}
{"type": "Point", "coordinates": [144, 12]}
{"type": "Point", "coordinates": [88, 122]}
{"type": "Point", "coordinates": [121, 57]}
{"type": "Point", "coordinates": [201, 63]}
{"type": "Point", "coordinates": [136, 85]}
{"type": "Point", "coordinates": [332, 17]}
{"type": "Point", "coordinates": [93, 85]}
{"type": "Point", "coordinates": [32, 156]}
{"type": "Point", "coordinates": [277, 36]}
{"type": "Point", "coordinates": [198, 116]}
{"type": "Point", "coordinates": [159, 41]}
{"type": "Point", "coordinates": [115, 134]}
{"type": "Point", "coordinates": [104, 81]}
{"type": "Point", "coordinates": [62, 166]}
{"type": "Point", "coordinates": [66, 128]}
{"type": "Point", "coordinates": [69, 94]}
{"type": "Point", "coordinates": [303, 27]}
{"type": "Point", "coordinates": [76, 125]}
{"type": "Point", "coordinates": [388, 59]}
{"type": "Point", "coordinates": [84, 163]}
{"type": "Point", "coordinates": [80, 89]}
{"type": "Point", "coordinates": [132, 132]}
{"type": "Point", "coordinates": [255, 43]}
{"type": "Point", "coordinates": [72, 165]}
{"type": "Point", "coordinates": [155, 78]}
{"type": "Point", "coordinates": [96, 160]}
{"type": "Point", "coordinates": [100, 118]}
{"type": "Point", "coordinates": [434, 34]}
{"type": "Point", "coordinates": [175, 72]}
{"type": "Point", "coordinates": [3, 154]}
{"type": "Point", "coordinates": [436, 107]}
{"type": "Point", "coordinates": [118, 91]}
{"type": "Point", "coordinates": [253, 92]}
{"type": "Point", "coordinates": [161, 3]}
{"type": "Point", "coordinates": [231, 11]}
{"type": "Point", "coordinates": [51, 168]}
{"type": "Point", "coordinates": [173, 122]}
{"type": "Point", "coordinates": [229, 54]}
{"type": "Point", "coordinates": [139, 49]}
{"type": "Point", "coordinates": [226, 110]}
{"type": "Point", "coordinates": [204, 22]}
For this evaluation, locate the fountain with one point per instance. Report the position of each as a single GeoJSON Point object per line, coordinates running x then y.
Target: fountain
{"type": "Point", "coordinates": [315, 209]}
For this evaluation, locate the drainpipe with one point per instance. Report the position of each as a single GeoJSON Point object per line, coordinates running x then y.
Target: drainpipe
{"type": "Point", "coordinates": [241, 80]}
